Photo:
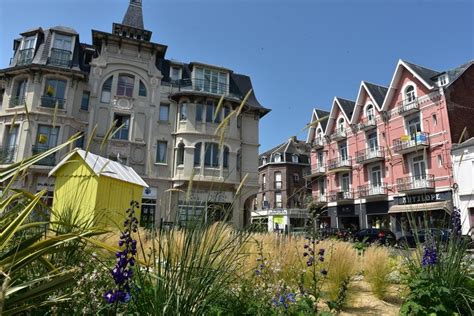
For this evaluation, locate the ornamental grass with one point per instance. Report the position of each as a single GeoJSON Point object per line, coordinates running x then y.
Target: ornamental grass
{"type": "Point", "coordinates": [377, 266]}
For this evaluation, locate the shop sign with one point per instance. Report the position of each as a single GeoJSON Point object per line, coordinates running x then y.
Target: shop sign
{"type": "Point", "coordinates": [278, 220]}
{"type": "Point", "coordinates": [277, 212]}
{"type": "Point", "coordinates": [211, 196]}
{"type": "Point", "coordinates": [423, 198]}
{"type": "Point", "coordinates": [345, 210]}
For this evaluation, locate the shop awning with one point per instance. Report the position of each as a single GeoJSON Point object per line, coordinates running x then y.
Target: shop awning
{"type": "Point", "coordinates": [407, 208]}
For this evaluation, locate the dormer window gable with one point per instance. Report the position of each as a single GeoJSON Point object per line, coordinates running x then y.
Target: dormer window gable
{"type": "Point", "coordinates": [442, 80]}
{"type": "Point", "coordinates": [176, 72]}
{"type": "Point", "coordinates": [27, 49]}
{"type": "Point", "coordinates": [61, 50]}
{"type": "Point", "coordinates": [277, 157]}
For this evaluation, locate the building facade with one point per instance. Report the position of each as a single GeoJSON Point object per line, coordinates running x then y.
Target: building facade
{"type": "Point", "coordinates": [281, 202]}
{"type": "Point", "coordinates": [162, 115]}
{"type": "Point", "coordinates": [388, 154]}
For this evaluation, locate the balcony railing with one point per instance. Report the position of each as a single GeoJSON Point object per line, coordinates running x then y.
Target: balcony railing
{"type": "Point", "coordinates": [7, 154]}
{"type": "Point", "coordinates": [203, 85]}
{"type": "Point", "coordinates": [47, 161]}
{"type": "Point", "coordinates": [340, 163]}
{"type": "Point", "coordinates": [338, 195]}
{"type": "Point", "coordinates": [318, 169]}
{"type": "Point", "coordinates": [409, 143]}
{"type": "Point", "coordinates": [338, 135]}
{"type": "Point", "coordinates": [367, 123]}
{"type": "Point", "coordinates": [17, 101]}
{"type": "Point", "coordinates": [320, 199]}
{"type": "Point", "coordinates": [50, 102]}
{"type": "Point", "coordinates": [370, 190]}
{"type": "Point", "coordinates": [406, 107]}
{"type": "Point", "coordinates": [317, 143]}
{"type": "Point", "coordinates": [60, 57]}
{"type": "Point", "coordinates": [416, 183]}
{"type": "Point", "coordinates": [25, 56]}
{"type": "Point", "coordinates": [370, 155]}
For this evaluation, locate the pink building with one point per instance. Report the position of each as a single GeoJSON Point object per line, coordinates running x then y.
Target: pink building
{"type": "Point", "coordinates": [389, 153]}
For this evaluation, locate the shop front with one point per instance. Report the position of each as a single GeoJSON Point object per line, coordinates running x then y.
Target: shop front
{"type": "Point", "coordinates": [281, 220]}
{"type": "Point", "coordinates": [207, 206]}
{"type": "Point", "coordinates": [427, 210]}
{"type": "Point", "coordinates": [376, 215]}
{"type": "Point", "coordinates": [345, 217]}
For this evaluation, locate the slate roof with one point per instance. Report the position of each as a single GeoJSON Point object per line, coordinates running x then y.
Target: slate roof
{"type": "Point", "coordinates": [425, 73]}
{"type": "Point", "coordinates": [455, 73]}
{"type": "Point", "coordinates": [291, 146]}
{"type": "Point", "coordinates": [134, 16]}
{"type": "Point", "coordinates": [347, 106]}
{"type": "Point", "coordinates": [378, 92]}
{"type": "Point", "coordinates": [321, 114]}
{"type": "Point", "coordinates": [101, 166]}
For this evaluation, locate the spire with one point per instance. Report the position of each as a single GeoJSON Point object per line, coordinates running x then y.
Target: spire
{"type": "Point", "coordinates": [134, 15]}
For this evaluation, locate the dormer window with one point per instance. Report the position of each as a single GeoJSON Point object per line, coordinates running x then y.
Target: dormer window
{"type": "Point", "coordinates": [294, 159]}
{"type": "Point", "coordinates": [61, 51]}
{"type": "Point", "coordinates": [264, 160]}
{"type": "Point", "coordinates": [209, 80]}
{"type": "Point", "coordinates": [340, 125]}
{"type": "Point", "coordinates": [410, 94]}
{"type": "Point", "coordinates": [175, 73]}
{"type": "Point", "coordinates": [369, 112]}
{"type": "Point", "coordinates": [27, 50]}
{"type": "Point", "coordinates": [277, 158]}
{"type": "Point", "coordinates": [319, 134]}
{"type": "Point", "coordinates": [442, 80]}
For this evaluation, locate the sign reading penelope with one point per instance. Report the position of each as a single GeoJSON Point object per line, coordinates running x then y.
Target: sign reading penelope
{"type": "Point", "coordinates": [423, 198]}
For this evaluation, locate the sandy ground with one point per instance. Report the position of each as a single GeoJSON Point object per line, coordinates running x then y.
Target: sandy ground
{"type": "Point", "coordinates": [363, 302]}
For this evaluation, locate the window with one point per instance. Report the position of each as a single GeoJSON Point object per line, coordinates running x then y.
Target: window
{"type": "Point", "coordinates": [62, 42]}
{"type": "Point", "coordinates": [341, 125]}
{"type": "Point", "coordinates": [345, 180]}
{"type": "Point", "coordinates": [419, 168]}
{"type": "Point", "coordinates": [47, 136]}
{"type": "Point", "coordinates": [142, 89]}
{"type": "Point", "coordinates": [183, 112]}
{"type": "Point", "coordinates": [61, 52]}
{"type": "Point", "coordinates": [278, 180]}
{"type": "Point", "coordinates": [440, 161]}
{"type": "Point", "coordinates": [197, 154]}
{"type": "Point", "coordinates": [239, 160]}
{"type": "Point", "coordinates": [410, 94]}
{"type": "Point", "coordinates": [372, 142]}
{"type": "Point", "coordinates": [277, 158]}
{"type": "Point", "coordinates": [264, 181]}
{"type": "Point", "coordinates": [85, 100]}
{"type": "Point", "coordinates": [175, 73]}
{"type": "Point", "coordinates": [296, 178]}
{"type": "Point", "coordinates": [199, 112]}
{"type": "Point", "coordinates": [264, 160]}
{"type": "Point", "coordinates": [211, 80]}
{"type": "Point", "coordinates": [125, 85]}
{"type": "Point", "coordinates": [370, 113]}
{"type": "Point", "coordinates": [226, 111]}
{"type": "Point", "coordinates": [343, 151]}
{"type": "Point", "coordinates": [106, 90]}
{"type": "Point", "coordinates": [122, 123]}
{"type": "Point", "coordinates": [211, 155]}
{"type": "Point", "coordinates": [164, 112]}
{"type": "Point", "coordinates": [264, 201]}
{"type": "Point", "coordinates": [180, 154]}
{"type": "Point", "coordinates": [19, 94]}
{"type": "Point", "coordinates": [161, 150]}
{"type": "Point", "coordinates": [442, 80]}
{"type": "Point", "coordinates": [414, 125]}
{"type": "Point", "coordinates": [211, 109]}
{"type": "Point", "coordinates": [54, 93]}
{"type": "Point", "coordinates": [147, 214]}
{"type": "Point", "coordinates": [2, 92]}
{"type": "Point", "coordinates": [278, 203]}
{"type": "Point", "coordinates": [225, 159]}
{"type": "Point", "coordinates": [294, 158]}
{"type": "Point", "coordinates": [435, 119]}
{"type": "Point", "coordinates": [376, 176]}
{"type": "Point", "coordinates": [29, 42]}
{"type": "Point", "coordinates": [27, 51]}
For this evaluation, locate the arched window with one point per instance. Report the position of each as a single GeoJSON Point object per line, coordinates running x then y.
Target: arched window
{"type": "Point", "coordinates": [106, 90]}
{"type": "Point", "coordinates": [340, 125]}
{"type": "Point", "coordinates": [410, 94]}
{"type": "Point", "coordinates": [319, 134]}
{"type": "Point", "coordinates": [197, 154]}
{"type": "Point", "coordinates": [277, 158]}
{"type": "Point", "coordinates": [369, 112]}
{"type": "Point", "coordinates": [142, 89]}
{"type": "Point", "coordinates": [225, 159]}
{"type": "Point", "coordinates": [180, 154]}
{"type": "Point", "coordinates": [125, 85]}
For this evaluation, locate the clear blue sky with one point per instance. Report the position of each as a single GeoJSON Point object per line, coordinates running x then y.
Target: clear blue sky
{"type": "Point", "coordinates": [299, 54]}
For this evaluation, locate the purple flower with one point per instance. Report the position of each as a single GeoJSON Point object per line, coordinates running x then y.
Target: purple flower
{"type": "Point", "coordinates": [324, 272]}
{"type": "Point", "coordinates": [306, 246]}
{"type": "Point", "coordinates": [321, 258]}
{"type": "Point", "coordinates": [321, 252]}
{"type": "Point", "coordinates": [456, 222]}
{"type": "Point", "coordinates": [430, 256]}
{"type": "Point", "coordinates": [305, 254]}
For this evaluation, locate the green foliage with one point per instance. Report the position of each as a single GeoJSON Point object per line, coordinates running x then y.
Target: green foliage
{"type": "Point", "coordinates": [340, 301]}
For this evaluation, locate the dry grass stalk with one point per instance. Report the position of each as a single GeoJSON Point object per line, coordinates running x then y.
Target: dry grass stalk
{"type": "Point", "coordinates": [377, 266]}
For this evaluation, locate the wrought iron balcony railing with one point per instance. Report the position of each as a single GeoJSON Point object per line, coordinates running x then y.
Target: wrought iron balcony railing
{"type": "Point", "coordinates": [7, 154]}
{"type": "Point", "coordinates": [25, 56]}
{"type": "Point", "coordinates": [17, 101]}
{"type": "Point", "coordinates": [409, 143]}
{"type": "Point", "coordinates": [50, 102]}
{"type": "Point", "coordinates": [370, 155]}
{"type": "Point", "coordinates": [320, 199]}
{"type": "Point", "coordinates": [367, 123]}
{"type": "Point", "coordinates": [60, 57]}
{"type": "Point", "coordinates": [340, 163]}
{"type": "Point", "coordinates": [340, 195]}
{"type": "Point", "coordinates": [406, 107]}
{"type": "Point", "coordinates": [416, 183]}
{"type": "Point", "coordinates": [317, 143]}
{"type": "Point", "coordinates": [203, 85]}
{"type": "Point", "coordinates": [338, 135]}
{"type": "Point", "coordinates": [47, 161]}
{"type": "Point", "coordinates": [370, 190]}
{"type": "Point", "coordinates": [318, 169]}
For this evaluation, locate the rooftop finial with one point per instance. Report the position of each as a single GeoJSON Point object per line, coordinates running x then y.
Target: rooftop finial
{"type": "Point", "coordinates": [134, 15]}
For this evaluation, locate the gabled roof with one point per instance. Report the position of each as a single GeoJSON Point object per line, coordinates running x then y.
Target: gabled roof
{"type": "Point", "coordinates": [424, 75]}
{"type": "Point", "coordinates": [455, 73]}
{"type": "Point", "coordinates": [345, 106]}
{"type": "Point", "coordinates": [376, 94]}
{"type": "Point", "coordinates": [317, 115]}
{"type": "Point", "coordinates": [101, 166]}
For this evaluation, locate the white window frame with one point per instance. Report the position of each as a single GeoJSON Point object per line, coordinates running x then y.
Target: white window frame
{"type": "Point", "coordinates": [180, 72]}
{"type": "Point", "coordinates": [294, 158]}
{"type": "Point", "coordinates": [23, 42]}
{"type": "Point", "coordinates": [408, 99]}
{"type": "Point", "coordinates": [277, 157]}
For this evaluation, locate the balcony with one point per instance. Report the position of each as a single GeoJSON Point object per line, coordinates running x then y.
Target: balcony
{"type": "Point", "coordinates": [317, 143]}
{"type": "Point", "coordinates": [410, 143]}
{"type": "Point", "coordinates": [25, 56]}
{"type": "Point", "coordinates": [407, 107]}
{"type": "Point", "coordinates": [7, 154]}
{"type": "Point", "coordinates": [338, 135]}
{"type": "Point", "coordinates": [422, 183]}
{"type": "Point", "coordinates": [372, 191]}
{"type": "Point", "coordinates": [203, 86]}
{"type": "Point", "coordinates": [340, 163]}
{"type": "Point", "coordinates": [370, 155]}
{"type": "Point", "coordinates": [60, 57]}
{"type": "Point", "coordinates": [318, 170]}
{"type": "Point", "coordinates": [17, 101]}
{"type": "Point", "coordinates": [320, 199]}
{"type": "Point", "coordinates": [50, 102]}
{"type": "Point", "coordinates": [367, 124]}
{"type": "Point", "coordinates": [47, 161]}
{"type": "Point", "coordinates": [340, 196]}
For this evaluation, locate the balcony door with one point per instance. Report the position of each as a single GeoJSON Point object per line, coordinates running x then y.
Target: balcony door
{"type": "Point", "coordinates": [414, 126]}
{"type": "Point", "coordinates": [419, 172]}
{"type": "Point", "coordinates": [343, 151]}
{"type": "Point", "coordinates": [376, 179]}
{"type": "Point", "coordinates": [10, 142]}
{"type": "Point", "coordinates": [345, 182]}
{"type": "Point", "coordinates": [47, 137]}
{"type": "Point", "coordinates": [321, 188]}
{"type": "Point", "coordinates": [372, 144]}
{"type": "Point", "coordinates": [320, 159]}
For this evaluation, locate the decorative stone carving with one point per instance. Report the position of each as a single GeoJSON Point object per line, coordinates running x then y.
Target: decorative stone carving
{"type": "Point", "coordinates": [122, 103]}
{"type": "Point", "coordinates": [138, 155]}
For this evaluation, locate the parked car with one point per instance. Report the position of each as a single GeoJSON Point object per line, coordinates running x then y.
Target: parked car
{"type": "Point", "coordinates": [372, 235]}
{"type": "Point", "coordinates": [338, 233]}
{"type": "Point", "coordinates": [419, 236]}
